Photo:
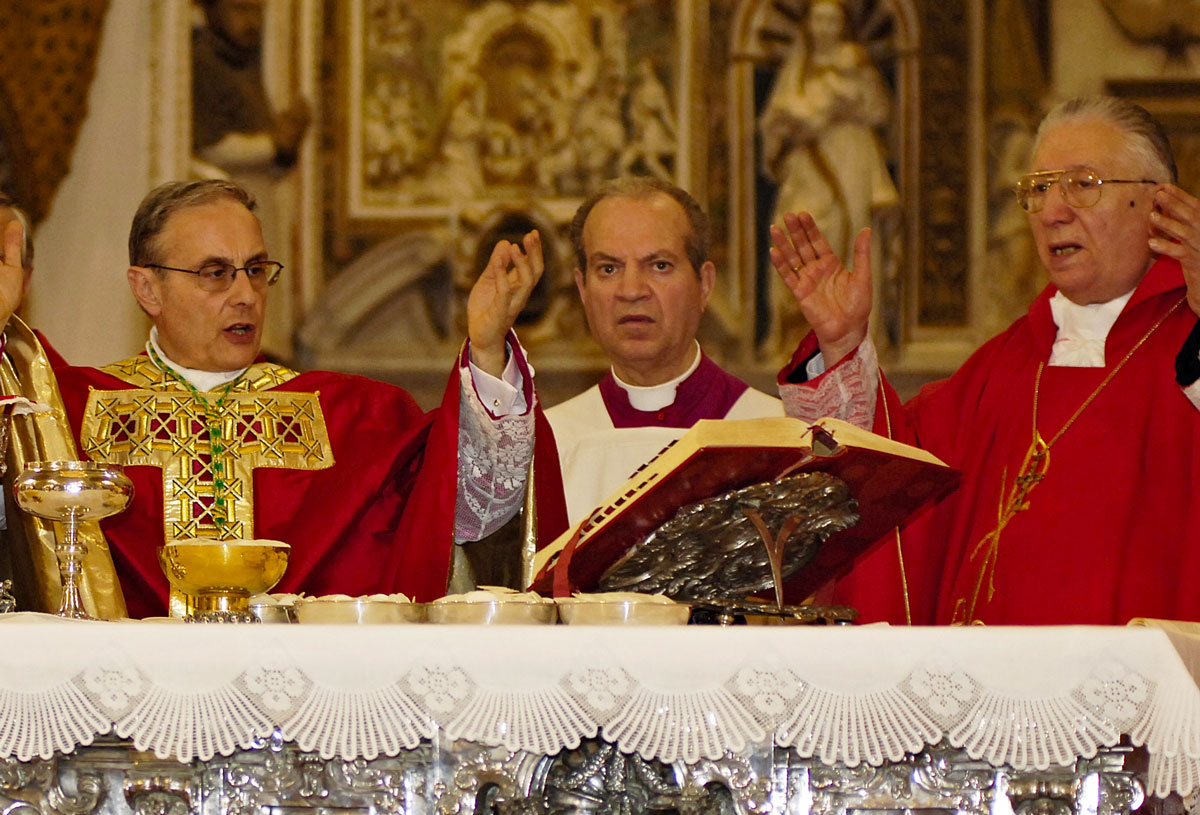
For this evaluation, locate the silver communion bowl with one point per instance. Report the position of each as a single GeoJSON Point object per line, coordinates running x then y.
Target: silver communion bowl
{"type": "Point", "coordinates": [72, 492]}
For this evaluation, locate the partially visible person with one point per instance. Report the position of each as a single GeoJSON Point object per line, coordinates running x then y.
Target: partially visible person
{"type": "Point", "coordinates": [1077, 429]}
{"type": "Point", "coordinates": [643, 274]}
{"type": "Point", "coordinates": [369, 491]}
{"type": "Point", "coordinates": [16, 262]}
{"type": "Point", "coordinates": [37, 430]}
{"type": "Point", "coordinates": [13, 218]}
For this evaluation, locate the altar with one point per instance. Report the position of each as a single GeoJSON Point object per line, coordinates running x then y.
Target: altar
{"type": "Point", "coordinates": [169, 718]}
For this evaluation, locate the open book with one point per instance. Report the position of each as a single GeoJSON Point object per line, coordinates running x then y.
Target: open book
{"type": "Point", "coordinates": [890, 480]}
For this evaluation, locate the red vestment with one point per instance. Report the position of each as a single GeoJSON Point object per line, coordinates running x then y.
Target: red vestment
{"type": "Point", "coordinates": [1113, 529]}
{"type": "Point", "coordinates": [379, 517]}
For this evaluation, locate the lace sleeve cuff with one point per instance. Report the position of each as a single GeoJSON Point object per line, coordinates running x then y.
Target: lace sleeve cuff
{"type": "Point", "coordinates": [846, 391]}
{"type": "Point", "coordinates": [493, 457]}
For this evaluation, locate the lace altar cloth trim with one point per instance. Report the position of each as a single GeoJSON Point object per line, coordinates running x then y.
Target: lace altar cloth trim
{"type": "Point", "coordinates": [1025, 697]}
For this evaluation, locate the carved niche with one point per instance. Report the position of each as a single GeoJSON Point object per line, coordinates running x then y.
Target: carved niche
{"type": "Point", "coordinates": [919, 51]}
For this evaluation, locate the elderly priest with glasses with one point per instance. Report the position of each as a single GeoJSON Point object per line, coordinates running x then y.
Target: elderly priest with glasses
{"type": "Point", "coordinates": [1077, 429]}
{"type": "Point", "coordinates": [369, 491]}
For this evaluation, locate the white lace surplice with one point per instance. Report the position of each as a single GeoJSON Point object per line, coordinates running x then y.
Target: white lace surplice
{"type": "Point", "coordinates": [493, 457]}
{"type": "Point", "coordinates": [848, 391]}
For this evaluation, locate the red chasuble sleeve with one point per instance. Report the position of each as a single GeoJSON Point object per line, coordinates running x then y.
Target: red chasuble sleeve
{"type": "Point", "coordinates": [423, 522]}
{"type": "Point", "coordinates": [547, 482]}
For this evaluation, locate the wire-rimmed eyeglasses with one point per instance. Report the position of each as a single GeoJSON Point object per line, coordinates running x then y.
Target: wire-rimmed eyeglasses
{"type": "Point", "coordinates": [218, 277]}
{"type": "Point", "coordinates": [1080, 188]}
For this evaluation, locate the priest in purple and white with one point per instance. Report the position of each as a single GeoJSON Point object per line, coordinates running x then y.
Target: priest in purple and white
{"type": "Point", "coordinates": [643, 275]}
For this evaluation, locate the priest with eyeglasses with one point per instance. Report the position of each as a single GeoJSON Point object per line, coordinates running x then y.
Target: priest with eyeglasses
{"type": "Point", "coordinates": [1077, 429]}
{"type": "Point", "coordinates": [370, 492]}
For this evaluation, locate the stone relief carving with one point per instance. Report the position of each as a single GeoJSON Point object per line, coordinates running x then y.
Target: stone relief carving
{"type": "Point", "coordinates": [465, 112]}
{"type": "Point", "coordinates": [468, 122]}
{"type": "Point", "coordinates": [525, 96]}
{"type": "Point", "coordinates": [828, 94]}
{"type": "Point", "coordinates": [1175, 26]}
{"type": "Point", "coordinates": [652, 142]}
{"type": "Point", "coordinates": [1014, 275]}
{"type": "Point", "coordinates": [1016, 85]}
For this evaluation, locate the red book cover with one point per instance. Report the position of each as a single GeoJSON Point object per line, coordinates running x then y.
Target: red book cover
{"type": "Point", "coordinates": [890, 481]}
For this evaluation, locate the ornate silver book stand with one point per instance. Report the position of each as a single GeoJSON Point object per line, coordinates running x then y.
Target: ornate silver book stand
{"type": "Point", "coordinates": [717, 553]}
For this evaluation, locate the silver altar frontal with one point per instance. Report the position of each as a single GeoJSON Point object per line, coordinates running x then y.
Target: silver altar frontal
{"type": "Point", "coordinates": [453, 720]}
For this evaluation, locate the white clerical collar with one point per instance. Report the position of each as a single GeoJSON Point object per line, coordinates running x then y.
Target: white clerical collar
{"type": "Point", "coordinates": [200, 380]}
{"type": "Point", "coordinates": [656, 397]}
{"type": "Point", "coordinates": [1082, 330]}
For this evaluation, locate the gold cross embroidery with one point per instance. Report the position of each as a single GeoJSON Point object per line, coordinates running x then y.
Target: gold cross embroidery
{"type": "Point", "coordinates": [164, 426]}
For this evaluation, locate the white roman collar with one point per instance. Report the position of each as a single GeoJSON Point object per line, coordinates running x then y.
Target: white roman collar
{"type": "Point", "coordinates": [1082, 330]}
{"type": "Point", "coordinates": [200, 380]}
{"type": "Point", "coordinates": [657, 397]}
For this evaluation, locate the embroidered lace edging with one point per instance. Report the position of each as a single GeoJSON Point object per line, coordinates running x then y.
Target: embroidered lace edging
{"type": "Point", "coordinates": [493, 458]}
{"type": "Point", "coordinates": [848, 391]}
{"type": "Point", "coordinates": [558, 702]}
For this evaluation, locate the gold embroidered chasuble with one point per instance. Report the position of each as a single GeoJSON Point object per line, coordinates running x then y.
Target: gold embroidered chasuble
{"type": "Point", "coordinates": [208, 445]}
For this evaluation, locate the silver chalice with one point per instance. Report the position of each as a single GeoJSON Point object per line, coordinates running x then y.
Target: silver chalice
{"type": "Point", "coordinates": [72, 492]}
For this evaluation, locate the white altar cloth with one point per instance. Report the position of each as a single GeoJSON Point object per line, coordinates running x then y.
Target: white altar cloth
{"type": "Point", "coordinates": [1026, 697]}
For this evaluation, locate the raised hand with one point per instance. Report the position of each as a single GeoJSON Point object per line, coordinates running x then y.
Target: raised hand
{"type": "Point", "coordinates": [1176, 222]}
{"type": "Point", "coordinates": [12, 271]}
{"type": "Point", "coordinates": [835, 300]}
{"type": "Point", "coordinates": [498, 297]}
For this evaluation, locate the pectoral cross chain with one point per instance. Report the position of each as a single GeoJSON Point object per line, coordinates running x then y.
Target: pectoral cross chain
{"type": "Point", "coordinates": [1032, 471]}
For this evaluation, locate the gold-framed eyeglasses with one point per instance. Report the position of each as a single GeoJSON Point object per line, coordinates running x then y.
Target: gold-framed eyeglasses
{"type": "Point", "coordinates": [1080, 188]}
{"type": "Point", "coordinates": [217, 277]}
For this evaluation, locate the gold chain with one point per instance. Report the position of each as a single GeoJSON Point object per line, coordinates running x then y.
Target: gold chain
{"type": "Point", "coordinates": [1033, 469]}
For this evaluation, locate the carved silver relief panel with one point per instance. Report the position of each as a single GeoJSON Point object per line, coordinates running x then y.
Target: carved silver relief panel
{"type": "Point", "coordinates": [596, 778]}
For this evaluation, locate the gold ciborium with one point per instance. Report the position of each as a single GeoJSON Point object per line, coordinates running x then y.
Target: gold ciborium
{"type": "Point", "coordinates": [72, 492]}
{"type": "Point", "coordinates": [217, 578]}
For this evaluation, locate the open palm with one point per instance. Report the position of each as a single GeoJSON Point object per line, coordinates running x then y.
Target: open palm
{"type": "Point", "coordinates": [835, 300]}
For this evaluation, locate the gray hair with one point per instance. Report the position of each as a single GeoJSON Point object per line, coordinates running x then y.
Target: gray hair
{"type": "Point", "coordinates": [167, 199]}
{"type": "Point", "coordinates": [1147, 143]}
{"type": "Point", "coordinates": [695, 243]}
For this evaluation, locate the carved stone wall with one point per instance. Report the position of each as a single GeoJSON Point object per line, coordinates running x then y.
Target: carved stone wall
{"type": "Point", "coordinates": [462, 123]}
{"type": "Point", "coordinates": [451, 124]}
